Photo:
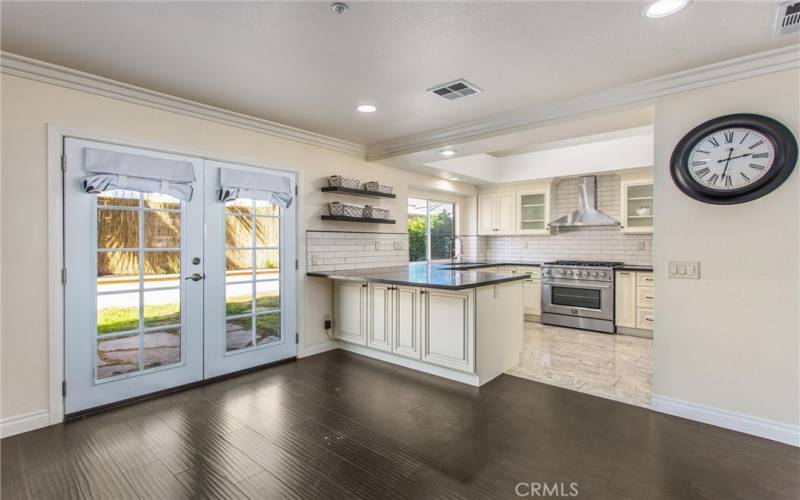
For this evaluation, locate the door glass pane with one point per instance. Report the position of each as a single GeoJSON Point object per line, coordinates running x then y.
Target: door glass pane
{"type": "Point", "coordinates": [117, 355]}
{"type": "Point", "coordinates": [239, 206]}
{"type": "Point", "coordinates": [239, 333]}
{"type": "Point", "coordinates": [238, 265]}
{"type": "Point", "coordinates": [267, 264]}
{"type": "Point", "coordinates": [442, 229]}
{"type": "Point", "coordinates": [138, 289]}
{"type": "Point", "coordinates": [268, 295]}
{"type": "Point", "coordinates": [162, 229]}
{"type": "Point", "coordinates": [267, 208]}
{"type": "Point", "coordinates": [575, 297]}
{"type": "Point", "coordinates": [238, 298]}
{"type": "Point", "coordinates": [117, 312]}
{"type": "Point", "coordinates": [417, 229]}
{"type": "Point", "coordinates": [117, 228]}
{"type": "Point", "coordinates": [239, 231]}
{"type": "Point", "coordinates": [268, 232]}
{"type": "Point", "coordinates": [268, 328]}
{"type": "Point", "coordinates": [162, 307]}
{"type": "Point", "coordinates": [162, 269]}
{"type": "Point", "coordinates": [162, 347]}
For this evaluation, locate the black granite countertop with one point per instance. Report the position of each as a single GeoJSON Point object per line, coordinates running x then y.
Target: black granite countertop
{"type": "Point", "coordinates": [634, 267]}
{"type": "Point", "coordinates": [422, 275]}
{"type": "Point", "coordinates": [491, 263]}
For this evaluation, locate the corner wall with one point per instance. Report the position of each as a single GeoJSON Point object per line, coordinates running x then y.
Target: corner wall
{"type": "Point", "coordinates": [727, 346]}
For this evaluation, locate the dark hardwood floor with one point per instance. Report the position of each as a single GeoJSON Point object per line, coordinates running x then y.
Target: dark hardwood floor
{"type": "Point", "coordinates": [338, 425]}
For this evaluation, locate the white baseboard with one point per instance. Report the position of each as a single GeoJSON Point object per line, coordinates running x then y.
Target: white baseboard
{"type": "Point", "coordinates": [317, 349]}
{"type": "Point", "coordinates": [761, 427]}
{"type": "Point", "coordinates": [18, 424]}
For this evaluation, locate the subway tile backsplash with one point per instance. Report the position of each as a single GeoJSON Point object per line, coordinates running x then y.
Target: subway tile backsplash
{"type": "Point", "coordinates": [334, 251]}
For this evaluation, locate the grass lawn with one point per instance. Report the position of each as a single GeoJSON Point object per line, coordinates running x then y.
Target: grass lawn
{"type": "Point", "coordinates": [120, 319]}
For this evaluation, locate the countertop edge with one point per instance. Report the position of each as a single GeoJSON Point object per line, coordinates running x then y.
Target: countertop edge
{"type": "Point", "coordinates": [633, 267]}
{"type": "Point", "coordinates": [363, 279]}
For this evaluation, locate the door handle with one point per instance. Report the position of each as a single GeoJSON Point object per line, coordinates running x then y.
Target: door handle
{"type": "Point", "coordinates": [195, 277]}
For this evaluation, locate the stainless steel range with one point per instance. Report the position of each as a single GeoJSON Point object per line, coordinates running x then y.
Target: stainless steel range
{"type": "Point", "coordinates": [579, 294]}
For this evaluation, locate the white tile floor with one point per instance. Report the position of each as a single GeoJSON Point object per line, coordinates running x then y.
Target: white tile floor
{"type": "Point", "coordinates": [617, 367]}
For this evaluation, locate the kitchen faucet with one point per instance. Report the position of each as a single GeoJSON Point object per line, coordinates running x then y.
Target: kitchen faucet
{"type": "Point", "coordinates": [457, 250]}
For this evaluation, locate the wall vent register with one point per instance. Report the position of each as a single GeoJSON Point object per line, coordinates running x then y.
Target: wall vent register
{"type": "Point", "coordinates": [455, 90]}
{"type": "Point", "coordinates": [788, 19]}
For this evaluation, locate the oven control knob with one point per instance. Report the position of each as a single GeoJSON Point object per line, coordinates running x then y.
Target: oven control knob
{"type": "Point", "coordinates": [602, 275]}
{"type": "Point", "coordinates": [559, 271]}
{"type": "Point", "coordinates": [569, 273]}
{"type": "Point", "coordinates": [594, 274]}
{"type": "Point", "coordinates": [585, 274]}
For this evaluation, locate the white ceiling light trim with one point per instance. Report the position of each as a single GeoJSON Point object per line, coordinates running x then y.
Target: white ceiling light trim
{"type": "Point", "coordinates": [713, 74]}
{"type": "Point", "coordinates": [366, 108]}
{"type": "Point", "coordinates": [33, 69]}
{"type": "Point", "coordinates": [664, 8]}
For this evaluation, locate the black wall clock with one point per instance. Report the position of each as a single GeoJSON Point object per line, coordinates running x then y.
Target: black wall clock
{"type": "Point", "coordinates": [734, 159]}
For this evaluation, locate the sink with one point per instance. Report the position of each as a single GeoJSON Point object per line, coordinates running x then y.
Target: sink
{"type": "Point", "coordinates": [461, 265]}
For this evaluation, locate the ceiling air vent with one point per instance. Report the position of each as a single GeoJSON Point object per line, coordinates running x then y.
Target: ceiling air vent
{"type": "Point", "coordinates": [455, 90]}
{"type": "Point", "coordinates": [788, 20]}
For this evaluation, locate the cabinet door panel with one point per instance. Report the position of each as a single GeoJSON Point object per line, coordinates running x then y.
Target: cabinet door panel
{"type": "Point", "coordinates": [379, 333]}
{"type": "Point", "coordinates": [532, 296]}
{"type": "Point", "coordinates": [448, 331]}
{"type": "Point", "coordinates": [506, 213]}
{"type": "Point", "coordinates": [406, 322]}
{"type": "Point", "coordinates": [486, 213]}
{"type": "Point", "coordinates": [625, 299]}
{"type": "Point", "coordinates": [349, 309]}
{"type": "Point", "coordinates": [645, 297]}
{"type": "Point", "coordinates": [645, 319]}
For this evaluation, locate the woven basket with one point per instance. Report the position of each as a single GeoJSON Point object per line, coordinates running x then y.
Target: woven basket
{"type": "Point", "coordinates": [377, 187]}
{"type": "Point", "coordinates": [372, 212]}
{"type": "Point", "coordinates": [343, 182]}
{"type": "Point", "coordinates": [345, 209]}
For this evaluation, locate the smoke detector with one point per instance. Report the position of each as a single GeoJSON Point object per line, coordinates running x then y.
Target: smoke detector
{"type": "Point", "coordinates": [340, 7]}
{"type": "Point", "coordinates": [455, 90]}
{"type": "Point", "coordinates": [788, 19]}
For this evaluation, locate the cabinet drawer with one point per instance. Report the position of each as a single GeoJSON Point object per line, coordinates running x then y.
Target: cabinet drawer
{"type": "Point", "coordinates": [644, 319]}
{"type": "Point", "coordinates": [645, 279]}
{"type": "Point", "coordinates": [535, 272]}
{"type": "Point", "coordinates": [645, 296]}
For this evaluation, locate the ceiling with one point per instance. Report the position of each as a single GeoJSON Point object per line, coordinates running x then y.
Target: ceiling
{"type": "Point", "coordinates": [300, 64]}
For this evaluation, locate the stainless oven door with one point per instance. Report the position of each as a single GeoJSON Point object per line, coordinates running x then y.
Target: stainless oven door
{"type": "Point", "coordinates": [578, 298]}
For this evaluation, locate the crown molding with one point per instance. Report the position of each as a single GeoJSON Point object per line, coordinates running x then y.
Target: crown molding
{"type": "Point", "coordinates": [703, 76]}
{"type": "Point", "coordinates": [33, 69]}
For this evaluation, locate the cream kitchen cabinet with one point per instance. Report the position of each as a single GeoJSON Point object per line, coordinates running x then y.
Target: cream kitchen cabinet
{"type": "Point", "coordinates": [380, 312]}
{"type": "Point", "coordinates": [350, 311]}
{"type": "Point", "coordinates": [532, 290]}
{"type": "Point", "coordinates": [496, 213]}
{"type": "Point", "coordinates": [405, 322]}
{"type": "Point", "coordinates": [637, 206]}
{"type": "Point", "coordinates": [448, 335]}
{"type": "Point", "coordinates": [533, 212]}
{"type": "Point", "coordinates": [634, 301]}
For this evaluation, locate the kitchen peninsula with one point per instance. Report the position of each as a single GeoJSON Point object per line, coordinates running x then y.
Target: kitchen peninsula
{"type": "Point", "coordinates": [463, 325]}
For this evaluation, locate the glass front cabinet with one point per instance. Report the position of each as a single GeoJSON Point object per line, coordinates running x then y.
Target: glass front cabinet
{"type": "Point", "coordinates": [637, 207]}
{"type": "Point", "coordinates": [533, 212]}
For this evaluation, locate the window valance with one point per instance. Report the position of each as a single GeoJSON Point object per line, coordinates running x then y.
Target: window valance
{"type": "Point", "coordinates": [236, 183]}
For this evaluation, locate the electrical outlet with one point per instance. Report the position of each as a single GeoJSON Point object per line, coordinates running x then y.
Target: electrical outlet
{"type": "Point", "coordinates": [327, 323]}
{"type": "Point", "coordinates": [684, 269]}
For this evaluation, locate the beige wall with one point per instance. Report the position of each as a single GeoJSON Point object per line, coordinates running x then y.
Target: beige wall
{"type": "Point", "coordinates": [730, 340]}
{"type": "Point", "coordinates": [28, 107]}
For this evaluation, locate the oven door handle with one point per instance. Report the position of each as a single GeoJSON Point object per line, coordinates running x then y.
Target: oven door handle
{"type": "Point", "coordinates": [567, 284]}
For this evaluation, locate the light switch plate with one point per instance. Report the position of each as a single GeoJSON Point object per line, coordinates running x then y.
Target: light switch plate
{"type": "Point", "coordinates": [684, 269]}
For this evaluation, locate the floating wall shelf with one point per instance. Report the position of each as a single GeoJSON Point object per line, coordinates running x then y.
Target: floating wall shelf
{"type": "Point", "coordinates": [342, 218]}
{"type": "Point", "coordinates": [358, 192]}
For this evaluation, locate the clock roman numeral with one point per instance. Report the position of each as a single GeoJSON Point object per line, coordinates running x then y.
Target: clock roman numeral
{"type": "Point", "coordinates": [697, 163]}
{"type": "Point", "coordinates": [728, 182]}
{"type": "Point", "coordinates": [747, 179]}
{"type": "Point", "coordinates": [704, 152]}
{"type": "Point", "coordinates": [713, 179]}
{"type": "Point", "coordinates": [728, 136]}
{"type": "Point", "coordinates": [757, 144]}
{"type": "Point", "coordinates": [757, 167]}
{"type": "Point", "coordinates": [713, 140]}
{"type": "Point", "coordinates": [760, 155]}
{"type": "Point", "coordinates": [745, 137]}
{"type": "Point", "coordinates": [702, 172]}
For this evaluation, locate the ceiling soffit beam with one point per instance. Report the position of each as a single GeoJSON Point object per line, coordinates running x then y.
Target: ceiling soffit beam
{"type": "Point", "coordinates": [33, 69]}
{"type": "Point", "coordinates": [713, 74]}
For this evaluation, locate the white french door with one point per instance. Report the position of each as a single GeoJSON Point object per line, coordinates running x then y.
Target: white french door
{"type": "Point", "coordinates": [162, 292]}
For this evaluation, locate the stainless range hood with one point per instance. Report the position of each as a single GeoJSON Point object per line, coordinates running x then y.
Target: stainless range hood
{"type": "Point", "coordinates": [587, 213]}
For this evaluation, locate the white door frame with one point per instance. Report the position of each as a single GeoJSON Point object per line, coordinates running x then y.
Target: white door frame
{"type": "Point", "coordinates": [55, 242]}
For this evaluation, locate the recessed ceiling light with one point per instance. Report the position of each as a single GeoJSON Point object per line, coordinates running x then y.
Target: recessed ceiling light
{"type": "Point", "coordinates": [447, 152]}
{"type": "Point", "coordinates": [366, 108]}
{"type": "Point", "coordinates": [452, 178]}
{"type": "Point", "coordinates": [663, 8]}
{"type": "Point", "coordinates": [340, 7]}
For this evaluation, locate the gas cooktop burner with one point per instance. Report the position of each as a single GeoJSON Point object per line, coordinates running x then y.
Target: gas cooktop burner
{"type": "Point", "coordinates": [587, 263]}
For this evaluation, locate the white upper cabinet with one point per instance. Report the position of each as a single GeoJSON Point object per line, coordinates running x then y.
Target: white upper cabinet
{"type": "Point", "coordinates": [637, 206]}
{"type": "Point", "coordinates": [505, 213]}
{"type": "Point", "coordinates": [533, 211]}
{"type": "Point", "coordinates": [486, 210]}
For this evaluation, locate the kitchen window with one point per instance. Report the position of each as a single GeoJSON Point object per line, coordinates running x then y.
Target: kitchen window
{"type": "Point", "coordinates": [431, 228]}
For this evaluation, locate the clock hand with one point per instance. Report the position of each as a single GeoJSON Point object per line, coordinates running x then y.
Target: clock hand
{"type": "Point", "coordinates": [726, 164]}
{"type": "Point", "coordinates": [734, 157]}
